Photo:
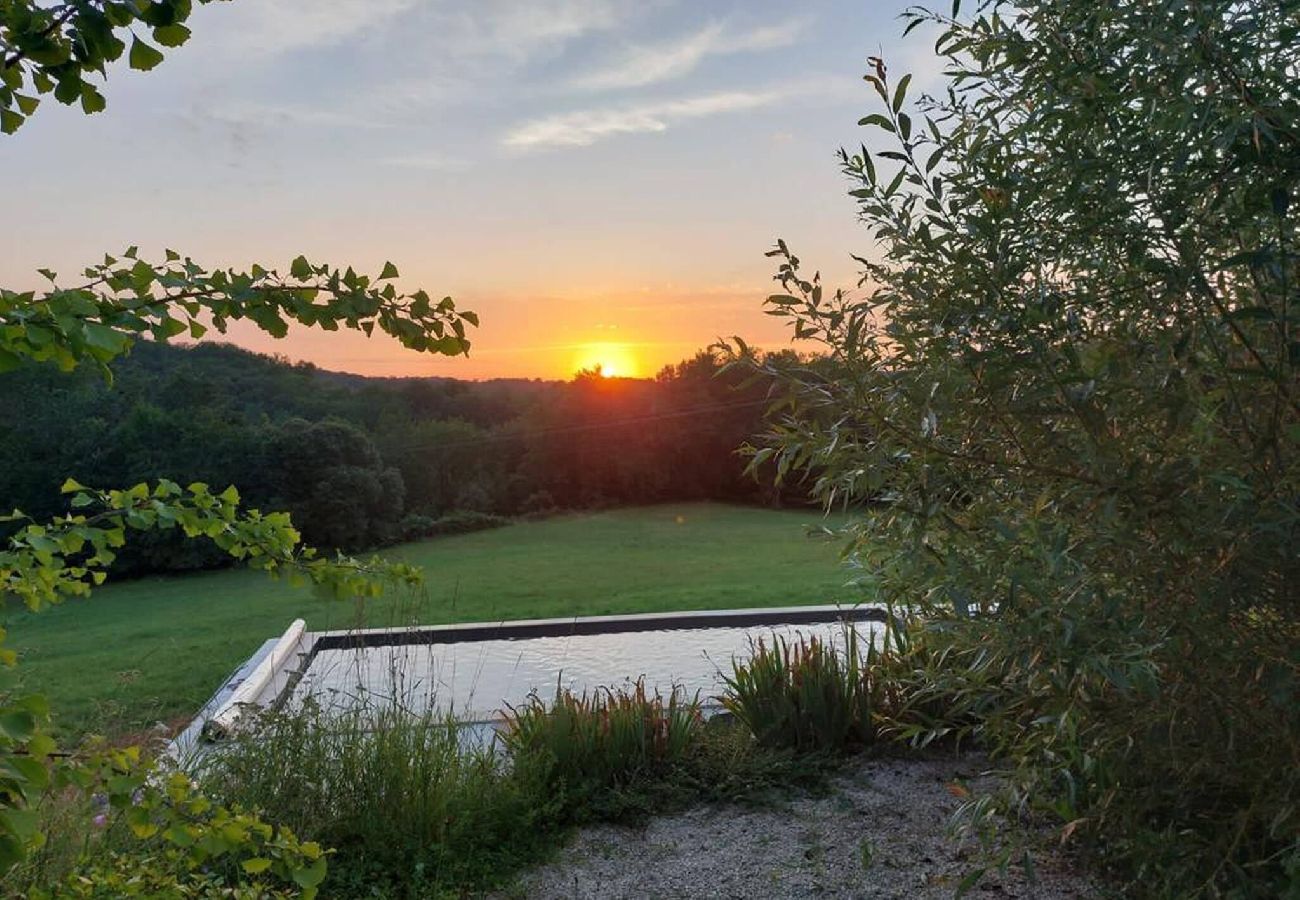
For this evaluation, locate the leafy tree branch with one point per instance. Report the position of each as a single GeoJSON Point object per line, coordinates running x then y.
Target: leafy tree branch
{"type": "Point", "coordinates": [51, 49]}
{"type": "Point", "coordinates": [122, 299]}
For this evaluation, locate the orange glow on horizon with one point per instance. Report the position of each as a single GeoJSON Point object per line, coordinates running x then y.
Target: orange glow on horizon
{"type": "Point", "coordinates": [613, 360]}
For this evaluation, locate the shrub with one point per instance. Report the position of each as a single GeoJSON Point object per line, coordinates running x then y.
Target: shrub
{"type": "Point", "coordinates": [804, 695]}
{"type": "Point", "coordinates": [125, 826]}
{"type": "Point", "coordinates": [116, 875]}
{"type": "Point", "coordinates": [1067, 405]}
{"type": "Point", "coordinates": [1076, 707]}
{"type": "Point", "coordinates": [415, 526]}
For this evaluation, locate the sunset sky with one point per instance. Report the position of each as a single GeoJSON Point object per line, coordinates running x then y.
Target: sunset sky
{"type": "Point", "coordinates": [598, 179]}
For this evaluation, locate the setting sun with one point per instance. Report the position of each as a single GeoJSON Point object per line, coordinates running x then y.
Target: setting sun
{"type": "Point", "coordinates": [613, 360]}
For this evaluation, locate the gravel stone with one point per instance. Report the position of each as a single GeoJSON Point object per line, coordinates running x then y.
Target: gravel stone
{"type": "Point", "coordinates": [881, 832]}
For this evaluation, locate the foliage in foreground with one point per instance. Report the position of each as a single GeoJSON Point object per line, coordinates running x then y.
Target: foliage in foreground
{"type": "Point", "coordinates": [1071, 396]}
{"type": "Point", "coordinates": [97, 322]}
{"type": "Point", "coordinates": [50, 49]}
{"type": "Point", "coordinates": [415, 807]}
{"type": "Point", "coordinates": [124, 827]}
{"type": "Point", "coordinates": [406, 806]}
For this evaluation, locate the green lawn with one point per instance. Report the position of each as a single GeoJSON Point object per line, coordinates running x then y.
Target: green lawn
{"type": "Point", "coordinates": [155, 649]}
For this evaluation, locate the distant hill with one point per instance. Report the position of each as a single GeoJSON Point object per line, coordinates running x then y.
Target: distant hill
{"type": "Point", "coordinates": [362, 461]}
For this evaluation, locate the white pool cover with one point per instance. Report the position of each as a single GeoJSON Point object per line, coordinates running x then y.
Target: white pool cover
{"type": "Point", "coordinates": [477, 680]}
{"type": "Point", "coordinates": [475, 671]}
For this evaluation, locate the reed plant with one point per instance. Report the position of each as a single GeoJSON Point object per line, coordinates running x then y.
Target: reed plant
{"type": "Point", "coordinates": [805, 695]}
{"type": "Point", "coordinates": [589, 744]}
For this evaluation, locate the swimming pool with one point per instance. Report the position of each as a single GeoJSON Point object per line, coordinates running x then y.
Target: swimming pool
{"type": "Point", "coordinates": [474, 671]}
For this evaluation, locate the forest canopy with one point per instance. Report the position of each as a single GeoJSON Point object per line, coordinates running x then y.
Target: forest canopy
{"type": "Point", "coordinates": [362, 462]}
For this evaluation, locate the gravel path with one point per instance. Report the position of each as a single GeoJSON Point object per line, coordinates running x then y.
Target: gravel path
{"type": "Point", "coordinates": [880, 833]}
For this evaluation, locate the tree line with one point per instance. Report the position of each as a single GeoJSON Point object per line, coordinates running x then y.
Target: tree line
{"type": "Point", "coordinates": [363, 462]}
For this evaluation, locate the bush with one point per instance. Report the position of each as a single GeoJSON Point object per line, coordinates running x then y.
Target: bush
{"type": "Point", "coordinates": [1068, 405]}
{"type": "Point", "coordinates": [804, 695]}
{"type": "Point", "coordinates": [415, 526]}
{"type": "Point", "coordinates": [1075, 705]}
{"type": "Point", "coordinates": [115, 875]}
{"type": "Point", "coordinates": [123, 826]}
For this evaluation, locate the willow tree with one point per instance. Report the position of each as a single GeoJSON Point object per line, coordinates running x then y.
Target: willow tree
{"type": "Point", "coordinates": [63, 50]}
{"type": "Point", "coordinates": [1065, 398]}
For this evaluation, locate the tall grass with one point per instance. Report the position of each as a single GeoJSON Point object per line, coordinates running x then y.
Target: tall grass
{"type": "Point", "coordinates": [803, 695]}
{"type": "Point", "coordinates": [425, 806]}
{"type": "Point", "coordinates": [589, 744]}
{"type": "Point", "coordinates": [410, 807]}
{"type": "Point", "coordinates": [415, 806]}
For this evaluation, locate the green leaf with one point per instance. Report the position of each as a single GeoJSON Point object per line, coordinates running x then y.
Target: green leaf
{"type": "Point", "coordinates": [171, 35]}
{"type": "Point", "coordinates": [143, 56]}
{"type": "Point", "coordinates": [256, 865]}
{"type": "Point", "coordinates": [310, 876]}
{"type": "Point", "coordinates": [10, 121]}
{"type": "Point", "coordinates": [92, 101]}
{"type": "Point", "coordinates": [172, 327]}
{"type": "Point", "coordinates": [17, 724]}
{"type": "Point", "coordinates": [103, 338]}
{"type": "Point", "coordinates": [972, 878]}
{"type": "Point", "coordinates": [390, 271]}
{"type": "Point", "coordinates": [22, 823]}
{"type": "Point", "coordinates": [69, 88]}
{"type": "Point", "coordinates": [71, 486]}
{"type": "Point", "coordinates": [878, 120]}
{"type": "Point", "coordinates": [300, 268]}
{"type": "Point", "coordinates": [900, 92]}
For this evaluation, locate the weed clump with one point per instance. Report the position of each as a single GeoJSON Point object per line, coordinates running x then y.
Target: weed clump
{"type": "Point", "coordinates": [589, 747]}
{"type": "Point", "coordinates": [803, 695]}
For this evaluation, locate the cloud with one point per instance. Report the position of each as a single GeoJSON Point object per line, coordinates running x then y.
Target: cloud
{"type": "Point", "coordinates": [449, 29]}
{"type": "Point", "coordinates": [274, 116]}
{"type": "Point", "coordinates": [585, 127]}
{"type": "Point", "coordinates": [518, 28]}
{"type": "Point", "coordinates": [650, 64]}
{"type": "Point", "coordinates": [273, 26]}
